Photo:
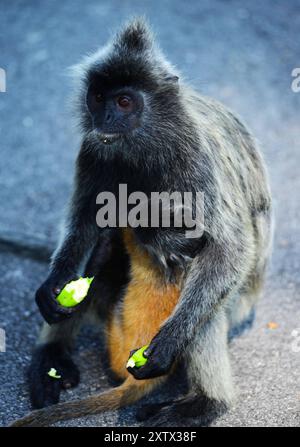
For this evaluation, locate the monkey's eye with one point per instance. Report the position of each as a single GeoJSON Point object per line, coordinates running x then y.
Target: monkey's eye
{"type": "Point", "coordinates": [125, 102]}
{"type": "Point", "coordinates": [98, 97]}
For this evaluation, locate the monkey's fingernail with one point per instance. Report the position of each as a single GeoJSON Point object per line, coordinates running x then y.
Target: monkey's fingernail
{"type": "Point", "coordinates": [146, 353]}
{"type": "Point", "coordinates": [56, 290]}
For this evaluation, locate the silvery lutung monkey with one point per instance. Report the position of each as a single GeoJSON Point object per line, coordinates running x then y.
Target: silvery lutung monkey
{"type": "Point", "coordinates": [143, 127]}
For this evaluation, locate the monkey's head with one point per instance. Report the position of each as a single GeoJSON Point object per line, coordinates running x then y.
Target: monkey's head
{"type": "Point", "coordinates": [129, 92]}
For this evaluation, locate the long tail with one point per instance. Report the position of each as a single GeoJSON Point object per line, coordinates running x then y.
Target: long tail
{"type": "Point", "coordinates": [128, 393]}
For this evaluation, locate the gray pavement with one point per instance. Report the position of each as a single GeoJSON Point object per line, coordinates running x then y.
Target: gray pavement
{"type": "Point", "coordinates": [242, 53]}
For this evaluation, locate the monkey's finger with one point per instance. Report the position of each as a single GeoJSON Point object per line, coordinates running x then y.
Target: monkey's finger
{"type": "Point", "coordinates": [55, 318]}
{"type": "Point", "coordinates": [141, 375]}
{"type": "Point", "coordinates": [147, 371]}
{"type": "Point", "coordinates": [132, 352]}
{"type": "Point", "coordinates": [133, 372]}
{"type": "Point", "coordinates": [49, 311]}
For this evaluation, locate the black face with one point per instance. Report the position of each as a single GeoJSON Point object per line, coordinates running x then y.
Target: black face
{"type": "Point", "coordinates": [114, 112]}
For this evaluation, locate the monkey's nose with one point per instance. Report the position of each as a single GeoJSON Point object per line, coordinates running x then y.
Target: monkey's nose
{"type": "Point", "coordinates": [108, 118]}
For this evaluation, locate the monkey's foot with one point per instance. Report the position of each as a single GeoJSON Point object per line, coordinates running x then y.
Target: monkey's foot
{"type": "Point", "coordinates": [147, 411]}
{"type": "Point", "coordinates": [191, 411]}
{"type": "Point", "coordinates": [45, 390]}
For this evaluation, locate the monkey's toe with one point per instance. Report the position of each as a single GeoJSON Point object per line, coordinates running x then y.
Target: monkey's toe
{"type": "Point", "coordinates": [70, 376]}
{"type": "Point", "coordinates": [44, 392]}
{"type": "Point", "coordinates": [44, 389]}
{"type": "Point", "coordinates": [147, 411]}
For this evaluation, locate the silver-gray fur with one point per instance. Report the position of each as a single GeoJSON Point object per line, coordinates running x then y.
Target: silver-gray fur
{"type": "Point", "coordinates": [184, 142]}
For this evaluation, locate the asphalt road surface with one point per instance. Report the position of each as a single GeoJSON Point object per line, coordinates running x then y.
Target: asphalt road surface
{"type": "Point", "coordinates": [242, 53]}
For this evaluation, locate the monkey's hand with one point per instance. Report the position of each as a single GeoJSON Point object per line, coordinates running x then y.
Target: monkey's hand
{"type": "Point", "coordinates": [160, 355]}
{"type": "Point", "coordinates": [49, 307]}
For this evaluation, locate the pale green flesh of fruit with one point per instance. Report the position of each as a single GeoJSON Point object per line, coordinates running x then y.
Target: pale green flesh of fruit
{"type": "Point", "coordinates": [74, 292]}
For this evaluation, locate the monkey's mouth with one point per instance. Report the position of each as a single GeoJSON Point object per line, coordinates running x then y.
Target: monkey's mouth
{"type": "Point", "coordinates": [109, 138]}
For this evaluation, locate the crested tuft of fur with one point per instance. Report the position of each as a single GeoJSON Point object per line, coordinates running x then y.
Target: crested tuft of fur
{"type": "Point", "coordinates": [135, 36]}
{"type": "Point", "coordinates": [131, 58]}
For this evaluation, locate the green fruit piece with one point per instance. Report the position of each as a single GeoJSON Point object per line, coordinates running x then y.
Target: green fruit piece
{"type": "Point", "coordinates": [53, 373]}
{"type": "Point", "coordinates": [74, 292]}
{"type": "Point", "coordinates": [137, 359]}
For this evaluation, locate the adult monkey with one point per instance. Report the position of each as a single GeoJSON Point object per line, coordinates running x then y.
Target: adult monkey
{"type": "Point", "coordinates": [144, 128]}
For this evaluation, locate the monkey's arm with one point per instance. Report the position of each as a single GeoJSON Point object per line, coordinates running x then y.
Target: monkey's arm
{"type": "Point", "coordinates": [81, 235]}
{"type": "Point", "coordinates": [213, 275]}
{"type": "Point", "coordinates": [80, 238]}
